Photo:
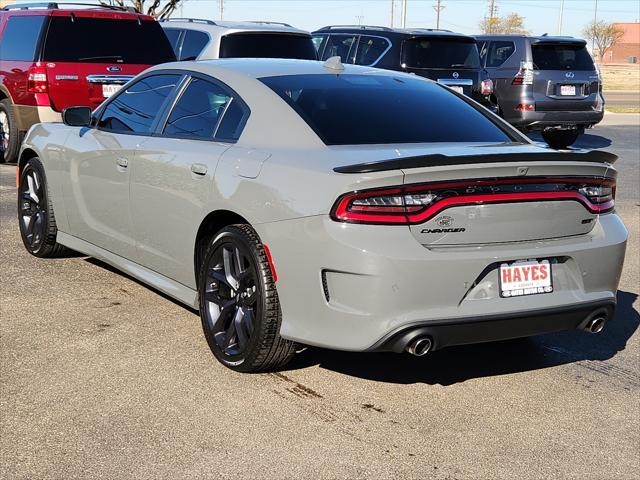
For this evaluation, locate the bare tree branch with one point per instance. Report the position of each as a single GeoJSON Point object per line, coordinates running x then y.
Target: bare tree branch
{"type": "Point", "coordinates": [604, 35]}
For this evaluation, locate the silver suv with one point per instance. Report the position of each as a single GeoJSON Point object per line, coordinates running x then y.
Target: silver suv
{"type": "Point", "coordinates": [548, 84]}
{"type": "Point", "coordinates": [197, 39]}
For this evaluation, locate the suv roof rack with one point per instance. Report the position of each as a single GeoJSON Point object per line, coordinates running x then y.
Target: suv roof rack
{"type": "Point", "coordinates": [190, 20]}
{"type": "Point", "coordinates": [264, 22]}
{"type": "Point", "coordinates": [429, 30]}
{"type": "Point", "coordinates": [362, 27]}
{"type": "Point", "coordinates": [56, 6]}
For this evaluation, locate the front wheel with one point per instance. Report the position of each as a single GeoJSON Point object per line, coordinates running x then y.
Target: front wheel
{"type": "Point", "coordinates": [560, 139]}
{"type": "Point", "coordinates": [239, 304]}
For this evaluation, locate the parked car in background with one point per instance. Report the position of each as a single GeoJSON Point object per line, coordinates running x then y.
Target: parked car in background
{"type": "Point", "coordinates": [300, 202]}
{"type": "Point", "coordinates": [549, 84]}
{"type": "Point", "coordinates": [197, 39]}
{"type": "Point", "coordinates": [53, 57]}
{"type": "Point", "coordinates": [446, 57]}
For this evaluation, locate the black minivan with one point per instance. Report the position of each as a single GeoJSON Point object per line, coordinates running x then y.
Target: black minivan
{"type": "Point", "coordinates": [449, 58]}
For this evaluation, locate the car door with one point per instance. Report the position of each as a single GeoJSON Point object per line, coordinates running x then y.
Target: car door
{"type": "Point", "coordinates": [100, 161]}
{"type": "Point", "coordinates": [172, 180]}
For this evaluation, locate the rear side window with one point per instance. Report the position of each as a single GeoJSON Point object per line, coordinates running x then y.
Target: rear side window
{"type": "Point", "coordinates": [343, 46]}
{"type": "Point", "coordinates": [370, 49]}
{"type": "Point", "coordinates": [193, 44]}
{"type": "Point", "coordinates": [135, 110]}
{"type": "Point", "coordinates": [374, 109]}
{"type": "Point", "coordinates": [20, 38]}
{"type": "Point", "coordinates": [198, 111]}
{"type": "Point", "coordinates": [444, 53]}
{"type": "Point", "coordinates": [173, 35]}
{"type": "Point", "coordinates": [103, 40]}
{"type": "Point", "coordinates": [561, 57]}
{"type": "Point", "coordinates": [267, 45]}
{"type": "Point", "coordinates": [499, 52]}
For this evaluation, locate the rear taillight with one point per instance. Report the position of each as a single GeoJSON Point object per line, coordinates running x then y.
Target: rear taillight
{"type": "Point", "coordinates": [414, 204]}
{"type": "Point", "coordinates": [37, 80]}
{"type": "Point", "coordinates": [486, 87]}
{"type": "Point", "coordinates": [524, 75]}
{"type": "Point", "coordinates": [526, 107]}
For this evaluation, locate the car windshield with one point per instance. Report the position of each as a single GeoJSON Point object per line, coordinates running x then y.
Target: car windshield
{"type": "Point", "coordinates": [105, 40]}
{"type": "Point", "coordinates": [561, 57]}
{"type": "Point", "coordinates": [378, 109]}
{"type": "Point", "coordinates": [443, 53]}
{"type": "Point", "coordinates": [267, 45]}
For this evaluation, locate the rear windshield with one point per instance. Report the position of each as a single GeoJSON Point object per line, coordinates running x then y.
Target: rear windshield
{"type": "Point", "coordinates": [561, 57]}
{"type": "Point", "coordinates": [267, 45]}
{"type": "Point", "coordinates": [444, 53]}
{"type": "Point", "coordinates": [103, 40]}
{"type": "Point", "coordinates": [372, 109]}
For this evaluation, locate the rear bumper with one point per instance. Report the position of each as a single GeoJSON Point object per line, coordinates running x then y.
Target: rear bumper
{"type": "Point", "coordinates": [350, 287]}
{"type": "Point", "coordinates": [540, 120]}
{"type": "Point", "coordinates": [30, 115]}
{"type": "Point", "coordinates": [498, 327]}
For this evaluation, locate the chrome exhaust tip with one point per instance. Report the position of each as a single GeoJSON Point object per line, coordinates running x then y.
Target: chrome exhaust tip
{"type": "Point", "coordinates": [596, 325]}
{"type": "Point", "coordinates": [419, 346]}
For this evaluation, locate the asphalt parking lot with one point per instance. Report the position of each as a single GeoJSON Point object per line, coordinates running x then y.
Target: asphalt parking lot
{"type": "Point", "coordinates": [102, 377]}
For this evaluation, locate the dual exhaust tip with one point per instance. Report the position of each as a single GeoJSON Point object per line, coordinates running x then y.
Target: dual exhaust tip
{"type": "Point", "coordinates": [596, 324]}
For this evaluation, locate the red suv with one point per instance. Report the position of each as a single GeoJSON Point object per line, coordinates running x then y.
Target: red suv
{"type": "Point", "coordinates": [52, 58]}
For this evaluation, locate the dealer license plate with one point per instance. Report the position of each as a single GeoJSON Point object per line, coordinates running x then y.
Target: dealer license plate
{"type": "Point", "coordinates": [528, 277]}
{"type": "Point", "coordinates": [568, 90]}
{"type": "Point", "coordinates": [108, 89]}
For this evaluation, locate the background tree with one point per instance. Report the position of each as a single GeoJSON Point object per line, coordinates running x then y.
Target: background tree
{"type": "Point", "coordinates": [603, 35]}
{"type": "Point", "coordinates": [157, 8]}
{"type": "Point", "coordinates": [512, 23]}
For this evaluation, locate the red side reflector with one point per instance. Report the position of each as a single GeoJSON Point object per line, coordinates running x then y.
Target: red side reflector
{"type": "Point", "coordinates": [271, 265]}
{"type": "Point", "coordinates": [526, 107]}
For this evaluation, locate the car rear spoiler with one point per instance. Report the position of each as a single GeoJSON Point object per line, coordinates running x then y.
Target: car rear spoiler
{"type": "Point", "coordinates": [438, 159]}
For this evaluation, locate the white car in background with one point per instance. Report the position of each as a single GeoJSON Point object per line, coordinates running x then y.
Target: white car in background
{"type": "Point", "coordinates": [198, 39]}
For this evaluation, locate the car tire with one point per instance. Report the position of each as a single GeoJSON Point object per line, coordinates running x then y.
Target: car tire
{"type": "Point", "coordinates": [35, 213]}
{"type": "Point", "coordinates": [9, 134]}
{"type": "Point", "coordinates": [560, 139]}
{"type": "Point", "coordinates": [239, 305]}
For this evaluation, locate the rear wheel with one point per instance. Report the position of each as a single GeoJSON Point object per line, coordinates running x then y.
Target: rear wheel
{"type": "Point", "coordinates": [35, 213]}
{"type": "Point", "coordinates": [560, 139]}
{"type": "Point", "coordinates": [239, 304]}
{"type": "Point", "coordinates": [9, 135]}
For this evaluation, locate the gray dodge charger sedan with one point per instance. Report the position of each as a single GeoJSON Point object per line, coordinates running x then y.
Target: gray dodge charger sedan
{"type": "Point", "coordinates": [307, 203]}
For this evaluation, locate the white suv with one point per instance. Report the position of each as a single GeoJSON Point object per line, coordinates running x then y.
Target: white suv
{"type": "Point", "coordinates": [196, 39]}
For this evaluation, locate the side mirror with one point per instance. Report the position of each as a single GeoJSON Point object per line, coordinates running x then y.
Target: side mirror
{"type": "Point", "coordinates": [77, 116]}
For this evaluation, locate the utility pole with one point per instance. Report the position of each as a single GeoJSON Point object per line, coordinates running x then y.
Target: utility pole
{"type": "Point", "coordinates": [595, 20]}
{"type": "Point", "coordinates": [493, 8]}
{"type": "Point", "coordinates": [404, 13]}
{"type": "Point", "coordinates": [221, 9]}
{"type": "Point", "coordinates": [438, 8]}
{"type": "Point", "coordinates": [560, 19]}
{"type": "Point", "coordinates": [393, 2]}
{"type": "Point", "coordinates": [359, 18]}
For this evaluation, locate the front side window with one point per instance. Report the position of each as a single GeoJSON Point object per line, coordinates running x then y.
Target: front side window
{"type": "Point", "coordinates": [104, 40]}
{"type": "Point", "coordinates": [343, 46]}
{"type": "Point", "coordinates": [499, 53]}
{"type": "Point", "coordinates": [352, 109]}
{"type": "Point", "coordinates": [318, 42]}
{"type": "Point", "coordinates": [370, 49]}
{"type": "Point", "coordinates": [136, 109]}
{"type": "Point", "coordinates": [193, 44]}
{"type": "Point", "coordinates": [440, 53]}
{"type": "Point", "coordinates": [20, 38]}
{"type": "Point", "coordinates": [199, 110]}
{"type": "Point", "coordinates": [267, 45]}
{"type": "Point", "coordinates": [561, 57]}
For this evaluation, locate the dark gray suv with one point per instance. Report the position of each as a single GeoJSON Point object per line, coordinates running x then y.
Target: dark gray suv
{"type": "Point", "coordinates": [548, 84]}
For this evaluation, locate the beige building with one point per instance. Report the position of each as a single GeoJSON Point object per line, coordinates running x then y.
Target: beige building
{"type": "Point", "coordinates": [5, 2]}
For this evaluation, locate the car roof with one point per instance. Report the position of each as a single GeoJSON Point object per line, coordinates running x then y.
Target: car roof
{"type": "Point", "coordinates": [535, 38]}
{"type": "Point", "coordinates": [399, 31]}
{"type": "Point", "coordinates": [66, 9]}
{"type": "Point", "coordinates": [226, 27]}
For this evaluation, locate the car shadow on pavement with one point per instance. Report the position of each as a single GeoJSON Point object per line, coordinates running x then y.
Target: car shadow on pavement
{"type": "Point", "coordinates": [587, 141]}
{"type": "Point", "coordinates": [458, 364]}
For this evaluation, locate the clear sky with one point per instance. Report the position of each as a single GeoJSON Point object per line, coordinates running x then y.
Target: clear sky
{"type": "Point", "coordinates": [459, 15]}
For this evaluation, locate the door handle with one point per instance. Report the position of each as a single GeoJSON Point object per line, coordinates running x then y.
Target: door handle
{"type": "Point", "coordinates": [122, 162]}
{"type": "Point", "coordinates": [199, 169]}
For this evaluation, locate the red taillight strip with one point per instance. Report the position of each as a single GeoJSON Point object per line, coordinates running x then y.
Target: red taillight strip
{"type": "Point", "coordinates": [390, 215]}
